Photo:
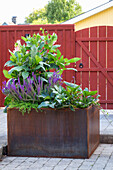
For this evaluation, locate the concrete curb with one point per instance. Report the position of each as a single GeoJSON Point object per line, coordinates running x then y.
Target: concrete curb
{"type": "Point", "coordinates": [106, 139]}
{"type": "Point", "coordinates": [3, 150]}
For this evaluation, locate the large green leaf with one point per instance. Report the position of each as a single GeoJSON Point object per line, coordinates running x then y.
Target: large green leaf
{"type": "Point", "coordinates": [46, 46]}
{"type": "Point", "coordinates": [61, 59]}
{"type": "Point", "coordinates": [49, 74]}
{"type": "Point", "coordinates": [45, 64]}
{"type": "Point", "coordinates": [47, 98]}
{"type": "Point", "coordinates": [38, 59]}
{"type": "Point", "coordinates": [40, 66]}
{"type": "Point", "coordinates": [52, 105]}
{"type": "Point", "coordinates": [58, 54]}
{"type": "Point", "coordinates": [54, 47]}
{"type": "Point", "coordinates": [86, 92]}
{"type": "Point", "coordinates": [54, 66]}
{"type": "Point", "coordinates": [43, 96]}
{"type": "Point", "coordinates": [72, 108]}
{"type": "Point", "coordinates": [92, 93]}
{"type": "Point", "coordinates": [17, 55]}
{"type": "Point", "coordinates": [56, 87]}
{"type": "Point", "coordinates": [54, 91]}
{"type": "Point", "coordinates": [44, 104]}
{"type": "Point", "coordinates": [52, 56]}
{"type": "Point", "coordinates": [41, 45]}
{"type": "Point", "coordinates": [7, 100]}
{"type": "Point", "coordinates": [43, 79]}
{"type": "Point", "coordinates": [9, 63]}
{"type": "Point", "coordinates": [54, 37]}
{"type": "Point", "coordinates": [59, 101]}
{"type": "Point", "coordinates": [17, 68]}
{"type": "Point", "coordinates": [33, 51]}
{"type": "Point", "coordinates": [6, 74]}
{"type": "Point", "coordinates": [71, 69]}
{"type": "Point", "coordinates": [12, 57]}
{"type": "Point", "coordinates": [71, 84]}
{"type": "Point", "coordinates": [61, 70]}
{"type": "Point", "coordinates": [23, 38]}
{"type": "Point", "coordinates": [25, 74]}
{"type": "Point", "coordinates": [73, 60]}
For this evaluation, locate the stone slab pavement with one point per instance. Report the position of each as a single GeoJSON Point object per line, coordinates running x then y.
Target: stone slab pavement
{"type": "Point", "coordinates": [106, 122]}
{"type": "Point", "coordinates": [106, 127]}
{"type": "Point", "coordinates": [3, 130]}
{"type": "Point", "coordinates": [102, 158]}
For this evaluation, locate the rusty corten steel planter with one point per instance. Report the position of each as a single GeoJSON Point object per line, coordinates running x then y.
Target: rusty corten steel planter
{"type": "Point", "coordinates": [53, 133]}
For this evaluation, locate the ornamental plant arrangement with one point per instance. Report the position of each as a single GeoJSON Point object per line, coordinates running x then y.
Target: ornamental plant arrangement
{"type": "Point", "coordinates": [58, 120]}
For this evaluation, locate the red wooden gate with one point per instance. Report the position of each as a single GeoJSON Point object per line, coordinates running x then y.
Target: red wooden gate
{"type": "Point", "coordinates": [95, 69]}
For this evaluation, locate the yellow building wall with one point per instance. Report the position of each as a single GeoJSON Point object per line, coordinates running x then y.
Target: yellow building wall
{"type": "Point", "coordinates": [102, 18]}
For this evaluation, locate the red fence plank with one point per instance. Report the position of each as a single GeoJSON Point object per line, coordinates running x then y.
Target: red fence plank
{"type": "Point", "coordinates": [85, 61]}
{"type": "Point", "coordinates": [110, 65]}
{"type": "Point", "coordinates": [102, 60]}
{"type": "Point", "coordinates": [78, 53]}
{"type": "Point", "coordinates": [69, 50]}
{"type": "Point", "coordinates": [93, 49]}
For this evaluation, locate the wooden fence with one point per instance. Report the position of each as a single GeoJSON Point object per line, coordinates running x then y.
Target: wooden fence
{"type": "Point", "coordinates": [9, 35]}
{"type": "Point", "coordinates": [94, 46]}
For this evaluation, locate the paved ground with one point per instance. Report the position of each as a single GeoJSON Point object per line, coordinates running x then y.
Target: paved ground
{"type": "Point", "coordinates": [3, 129]}
{"type": "Point", "coordinates": [106, 122]}
{"type": "Point", "coordinates": [101, 159]}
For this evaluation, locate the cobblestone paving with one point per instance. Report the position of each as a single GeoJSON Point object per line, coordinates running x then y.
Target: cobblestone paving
{"type": "Point", "coordinates": [102, 159]}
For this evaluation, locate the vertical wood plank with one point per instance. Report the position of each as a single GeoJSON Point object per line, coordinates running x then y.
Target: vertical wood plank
{"type": "Point", "coordinates": [19, 33]}
{"type": "Point", "coordinates": [78, 74]}
{"type": "Point", "coordinates": [73, 50]}
{"type": "Point", "coordinates": [60, 41]}
{"type": "Point", "coordinates": [110, 65]}
{"type": "Point", "coordinates": [102, 61]}
{"type": "Point", "coordinates": [1, 103]}
{"type": "Point", "coordinates": [64, 50]}
{"type": "Point", "coordinates": [3, 58]}
{"type": "Point", "coordinates": [11, 40]}
{"type": "Point", "coordinates": [85, 61]}
{"type": "Point", "coordinates": [93, 49]}
{"type": "Point", "coordinates": [68, 44]}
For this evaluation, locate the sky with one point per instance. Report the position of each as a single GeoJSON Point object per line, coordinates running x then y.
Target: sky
{"type": "Point", "coordinates": [23, 8]}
